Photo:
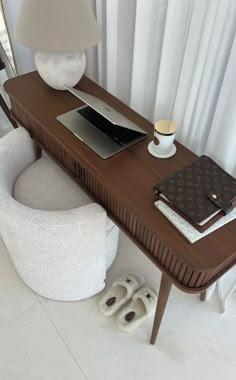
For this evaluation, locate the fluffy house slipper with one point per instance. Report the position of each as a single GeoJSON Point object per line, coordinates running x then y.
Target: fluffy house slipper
{"type": "Point", "coordinates": [141, 307]}
{"type": "Point", "coordinates": [120, 292]}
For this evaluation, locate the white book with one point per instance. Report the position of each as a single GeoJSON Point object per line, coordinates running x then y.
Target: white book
{"type": "Point", "coordinates": [186, 228]}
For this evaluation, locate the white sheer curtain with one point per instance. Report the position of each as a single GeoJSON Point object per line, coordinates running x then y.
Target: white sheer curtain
{"type": "Point", "coordinates": [173, 59]}
{"type": "Point", "coordinates": [24, 56]}
{"type": "Point", "coordinates": [167, 59]}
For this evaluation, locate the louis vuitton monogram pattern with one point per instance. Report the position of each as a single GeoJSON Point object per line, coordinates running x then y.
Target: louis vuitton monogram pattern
{"type": "Point", "coordinates": [200, 189]}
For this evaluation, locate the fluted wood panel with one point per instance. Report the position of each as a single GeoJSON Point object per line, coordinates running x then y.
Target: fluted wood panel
{"type": "Point", "coordinates": [164, 257]}
{"type": "Point", "coordinates": [191, 267]}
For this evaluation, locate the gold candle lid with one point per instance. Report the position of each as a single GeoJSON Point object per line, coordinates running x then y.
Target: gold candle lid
{"type": "Point", "coordinates": [165, 127]}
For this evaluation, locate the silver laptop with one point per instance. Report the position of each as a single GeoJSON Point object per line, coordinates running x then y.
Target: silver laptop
{"type": "Point", "coordinates": [100, 127]}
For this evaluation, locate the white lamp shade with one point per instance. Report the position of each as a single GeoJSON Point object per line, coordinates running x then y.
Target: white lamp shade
{"type": "Point", "coordinates": [57, 25]}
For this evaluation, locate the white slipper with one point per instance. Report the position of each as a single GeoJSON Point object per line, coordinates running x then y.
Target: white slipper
{"type": "Point", "coordinates": [141, 307]}
{"type": "Point", "coordinates": [120, 292]}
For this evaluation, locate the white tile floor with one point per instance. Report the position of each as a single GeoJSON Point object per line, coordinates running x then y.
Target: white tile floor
{"type": "Point", "coordinates": [49, 340]}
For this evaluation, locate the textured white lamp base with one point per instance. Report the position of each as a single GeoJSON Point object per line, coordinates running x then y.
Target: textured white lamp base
{"type": "Point", "coordinates": [60, 69]}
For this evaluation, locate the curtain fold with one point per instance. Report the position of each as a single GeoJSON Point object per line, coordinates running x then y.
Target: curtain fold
{"type": "Point", "coordinates": [148, 41]}
{"type": "Point", "coordinates": [102, 47]}
{"type": "Point", "coordinates": [24, 56]}
{"type": "Point", "coordinates": [201, 78]}
{"type": "Point", "coordinates": [173, 53]}
{"type": "Point", "coordinates": [221, 142]}
{"type": "Point", "coordinates": [171, 59]}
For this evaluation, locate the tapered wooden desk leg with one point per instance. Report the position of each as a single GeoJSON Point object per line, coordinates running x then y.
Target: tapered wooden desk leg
{"type": "Point", "coordinates": [163, 296]}
{"type": "Point", "coordinates": [203, 296]}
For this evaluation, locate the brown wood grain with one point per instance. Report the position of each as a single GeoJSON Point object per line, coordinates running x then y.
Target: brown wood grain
{"type": "Point", "coordinates": [124, 182]}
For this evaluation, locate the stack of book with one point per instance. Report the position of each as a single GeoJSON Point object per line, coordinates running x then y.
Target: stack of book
{"type": "Point", "coordinates": [198, 199]}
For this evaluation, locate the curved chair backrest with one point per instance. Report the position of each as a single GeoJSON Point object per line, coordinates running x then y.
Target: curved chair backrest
{"type": "Point", "coordinates": [59, 254]}
{"type": "Point", "coordinates": [17, 152]}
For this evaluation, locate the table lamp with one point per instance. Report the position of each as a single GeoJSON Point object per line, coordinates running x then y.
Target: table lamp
{"type": "Point", "coordinates": [59, 31]}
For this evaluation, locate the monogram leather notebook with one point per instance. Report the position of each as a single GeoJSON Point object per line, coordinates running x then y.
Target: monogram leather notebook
{"type": "Point", "coordinates": [201, 193]}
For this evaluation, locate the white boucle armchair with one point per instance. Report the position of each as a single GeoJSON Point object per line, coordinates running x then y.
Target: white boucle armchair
{"type": "Point", "coordinates": [60, 242]}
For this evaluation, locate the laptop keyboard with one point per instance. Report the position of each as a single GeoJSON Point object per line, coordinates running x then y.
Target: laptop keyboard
{"type": "Point", "coordinates": [118, 134]}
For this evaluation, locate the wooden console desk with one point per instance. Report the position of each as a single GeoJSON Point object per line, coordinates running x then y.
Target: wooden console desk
{"type": "Point", "coordinates": [123, 186]}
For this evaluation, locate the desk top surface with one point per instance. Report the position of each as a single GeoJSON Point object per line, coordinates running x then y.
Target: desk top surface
{"type": "Point", "coordinates": [131, 174]}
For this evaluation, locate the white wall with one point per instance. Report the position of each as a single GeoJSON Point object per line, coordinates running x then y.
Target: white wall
{"type": "Point", "coordinates": [23, 55]}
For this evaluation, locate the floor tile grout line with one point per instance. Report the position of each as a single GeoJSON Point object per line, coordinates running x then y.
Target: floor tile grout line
{"type": "Point", "coordinates": [18, 315]}
{"type": "Point", "coordinates": [74, 358]}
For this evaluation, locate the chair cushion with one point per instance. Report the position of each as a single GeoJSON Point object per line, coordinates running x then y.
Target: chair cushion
{"type": "Point", "coordinates": [44, 186]}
